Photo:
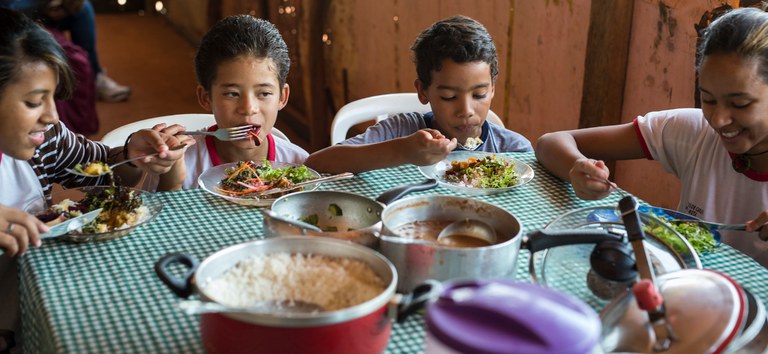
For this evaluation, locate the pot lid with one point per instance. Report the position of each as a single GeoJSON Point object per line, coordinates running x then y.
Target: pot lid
{"type": "Point", "coordinates": [706, 310]}
{"type": "Point", "coordinates": [502, 316]}
{"type": "Point", "coordinates": [569, 269]}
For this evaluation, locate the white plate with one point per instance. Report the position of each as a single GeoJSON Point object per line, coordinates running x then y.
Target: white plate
{"type": "Point", "coordinates": [212, 177]}
{"type": "Point", "coordinates": [437, 171]}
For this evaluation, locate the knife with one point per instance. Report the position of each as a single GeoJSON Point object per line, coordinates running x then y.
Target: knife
{"type": "Point", "coordinates": [72, 224]}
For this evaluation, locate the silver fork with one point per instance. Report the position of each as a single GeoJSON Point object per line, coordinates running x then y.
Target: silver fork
{"type": "Point", "coordinates": [225, 134]}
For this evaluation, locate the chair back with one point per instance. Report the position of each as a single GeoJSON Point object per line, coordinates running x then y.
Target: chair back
{"type": "Point", "coordinates": [379, 108]}
{"type": "Point", "coordinates": [193, 121]}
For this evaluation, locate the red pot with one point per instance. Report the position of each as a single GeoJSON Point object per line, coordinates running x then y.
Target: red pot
{"type": "Point", "coordinates": [364, 328]}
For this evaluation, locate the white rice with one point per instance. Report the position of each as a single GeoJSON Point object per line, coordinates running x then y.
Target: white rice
{"type": "Point", "coordinates": [333, 283]}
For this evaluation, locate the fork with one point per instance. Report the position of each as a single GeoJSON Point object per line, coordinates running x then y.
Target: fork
{"type": "Point", "coordinates": [225, 134]}
{"type": "Point", "coordinates": [711, 226]}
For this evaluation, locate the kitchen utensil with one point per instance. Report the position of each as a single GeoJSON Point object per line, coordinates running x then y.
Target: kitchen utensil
{"type": "Point", "coordinates": [295, 222]}
{"type": "Point", "coordinates": [286, 308]}
{"type": "Point", "coordinates": [363, 328]}
{"type": "Point", "coordinates": [353, 216]}
{"type": "Point", "coordinates": [225, 134]}
{"type": "Point", "coordinates": [336, 177]}
{"type": "Point", "coordinates": [708, 311]}
{"type": "Point", "coordinates": [437, 171]}
{"type": "Point", "coordinates": [419, 259]}
{"type": "Point", "coordinates": [211, 178]}
{"type": "Point", "coordinates": [467, 228]}
{"type": "Point", "coordinates": [503, 316]}
{"type": "Point", "coordinates": [569, 267]}
{"type": "Point", "coordinates": [71, 224]}
{"type": "Point", "coordinates": [114, 165]}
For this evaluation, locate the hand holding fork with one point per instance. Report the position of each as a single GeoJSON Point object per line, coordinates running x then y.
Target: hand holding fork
{"type": "Point", "coordinates": [228, 134]}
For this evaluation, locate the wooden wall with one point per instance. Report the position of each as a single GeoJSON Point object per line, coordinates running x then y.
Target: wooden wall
{"type": "Point", "coordinates": [344, 50]}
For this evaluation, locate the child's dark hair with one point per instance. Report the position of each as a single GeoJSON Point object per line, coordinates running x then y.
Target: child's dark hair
{"type": "Point", "coordinates": [458, 38]}
{"type": "Point", "coordinates": [23, 41]}
{"type": "Point", "coordinates": [743, 32]}
{"type": "Point", "coordinates": [240, 35]}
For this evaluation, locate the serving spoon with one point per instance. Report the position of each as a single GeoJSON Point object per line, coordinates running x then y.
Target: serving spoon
{"type": "Point", "coordinates": [112, 166]}
{"type": "Point", "coordinates": [467, 228]}
{"type": "Point", "coordinates": [269, 307]}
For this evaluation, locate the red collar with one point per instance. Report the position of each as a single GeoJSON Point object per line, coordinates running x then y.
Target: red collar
{"type": "Point", "coordinates": [214, 155]}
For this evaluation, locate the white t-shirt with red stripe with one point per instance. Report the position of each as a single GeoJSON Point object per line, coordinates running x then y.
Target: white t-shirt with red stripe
{"type": "Point", "coordinates": [684, 143]}
{"type": "Point", "coordinates": [203, 155]}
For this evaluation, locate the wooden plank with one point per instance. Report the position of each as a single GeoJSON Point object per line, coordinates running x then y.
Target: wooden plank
{"type": "Point", "coordinates": [606, 62]}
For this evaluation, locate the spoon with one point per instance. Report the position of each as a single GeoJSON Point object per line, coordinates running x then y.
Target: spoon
{"type": "Point", "coordinates": [467, 228]}
{"type": "Point", "coordinates": [269, 307]}
{"type": "Point", "coordinates": [112, 167]}
{"type": "Point", "coordinates": [287, 220]}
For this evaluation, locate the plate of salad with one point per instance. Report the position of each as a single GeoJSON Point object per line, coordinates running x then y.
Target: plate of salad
{"type": "Point", "coordinates": [701, 239]}
{"type": "Point", "coordinates": [242, 182]}
{"type": "Point", "coordinates": [123, 209]}
{"type": "Point", "coordinates": [479, 173]}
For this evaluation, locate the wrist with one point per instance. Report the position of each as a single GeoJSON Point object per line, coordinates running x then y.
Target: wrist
{"type": "Point", "coordinates": [125, 150]}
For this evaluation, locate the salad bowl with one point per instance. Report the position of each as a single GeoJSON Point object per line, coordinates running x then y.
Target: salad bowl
{"type": "Point", "coordinates": [115, 211]}
{"type": "Point", "coordinates": [438, 171]}
{"type": "Point", "coordinates": [210, 181]}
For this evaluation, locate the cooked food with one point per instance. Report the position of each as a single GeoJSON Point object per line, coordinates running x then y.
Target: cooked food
{"type": "Point", "coordinates": [121, 209]}
{"type": "Point", "coordinates": [472, 143]}
{"type": "Point", "coordinates": [247, 178]}
{"type": "Point", "coordinates": [95, 168]}
{"type": "Point", "coordinates": [700, 238]}
{"type": "Point", "coordinates": [486, 172]}
{"type": "Point", "coordinates": [333, 283]}
{"type": "Point", "coordinates": [429, 230]}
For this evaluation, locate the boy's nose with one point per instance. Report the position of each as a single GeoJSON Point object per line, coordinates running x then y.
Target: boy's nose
{"type": "Point", "coordinates": [465, 108]}
{"type": "Point", "coordinates": [249, 105]}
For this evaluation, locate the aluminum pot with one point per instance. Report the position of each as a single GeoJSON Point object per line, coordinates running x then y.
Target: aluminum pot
{"type": "Point", "coordinates": [418, 260]}
{"type": "Point", "coordinates": [342, 210]}
{"type": "Point", "coordinates": [364, 328]}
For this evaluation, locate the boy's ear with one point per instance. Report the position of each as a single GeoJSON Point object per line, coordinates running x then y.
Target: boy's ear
{"type": "Point", "coordinates": [203, 98]}
{"type": "Point", "coordinates": [421, 91]}
{"type": "Point", "coordinates": [284, 93]}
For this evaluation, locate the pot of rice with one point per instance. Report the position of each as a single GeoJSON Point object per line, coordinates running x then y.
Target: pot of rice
{"type": "Point", "coordinates": [350, 285]}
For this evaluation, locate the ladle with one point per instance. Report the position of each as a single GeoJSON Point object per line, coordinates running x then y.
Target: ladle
{"type": "Point", "coordinates": [112, 166]}
{"type": "Point", "coordinates": [269, 307]}
{"type": "Point", "coordinates": [467, 228]}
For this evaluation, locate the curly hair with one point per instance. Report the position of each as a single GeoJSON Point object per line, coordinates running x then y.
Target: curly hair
{"type": "Point", "coordinates": [458, 38]}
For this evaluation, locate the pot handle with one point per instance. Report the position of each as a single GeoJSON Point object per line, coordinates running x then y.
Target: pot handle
{"type": "Point", "coordinates": [544, 239]}
{"type": "Point", "coordinates": [398, 192]}
{"type": "Point", "coordinates": [182, 287]}
{"type": "Point", "coordinates": [418, 299]}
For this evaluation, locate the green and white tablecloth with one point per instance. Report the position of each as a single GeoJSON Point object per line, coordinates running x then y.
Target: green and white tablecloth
{"type": "Point", "coordinates": [105, 297]}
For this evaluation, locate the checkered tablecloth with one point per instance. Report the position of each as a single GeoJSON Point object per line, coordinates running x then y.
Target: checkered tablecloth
{"type": "Point", "coordinates": [105, 297]}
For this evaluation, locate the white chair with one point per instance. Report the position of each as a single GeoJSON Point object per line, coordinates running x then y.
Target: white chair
{"type": "Point", "coordinates": [379, 108]}
{"type": "Point", "coordinates": [193, 121]}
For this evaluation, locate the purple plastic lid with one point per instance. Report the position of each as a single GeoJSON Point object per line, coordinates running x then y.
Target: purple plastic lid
{"type": "Point", "coordinates": [503, 316]}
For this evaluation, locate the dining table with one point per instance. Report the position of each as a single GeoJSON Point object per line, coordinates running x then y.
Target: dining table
{"type": "Point", "coordinates": [105, 297]}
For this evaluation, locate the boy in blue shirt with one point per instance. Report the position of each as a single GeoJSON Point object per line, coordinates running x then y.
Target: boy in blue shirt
{"type": "Point", "coordinates": [457, 67]}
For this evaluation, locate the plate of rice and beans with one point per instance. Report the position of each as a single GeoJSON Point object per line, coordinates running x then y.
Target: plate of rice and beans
{"type": "Point", "coordinates": [479, 173]}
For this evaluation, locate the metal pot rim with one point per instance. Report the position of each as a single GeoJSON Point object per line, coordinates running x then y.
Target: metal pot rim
{"type": "Point", "coordinates": [306, 320]}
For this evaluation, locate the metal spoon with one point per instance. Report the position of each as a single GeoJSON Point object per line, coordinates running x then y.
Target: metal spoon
{"type": "Point", "coordinates": [336, 177]}
{"type": "Point", "coordinates": [112, 166]}
{"type": "Point", "coordinates": [269, 307]}
{"type": "Point", "coordinates": [287, 220]}
{"type": "Point", "coordinates": [467, 228]}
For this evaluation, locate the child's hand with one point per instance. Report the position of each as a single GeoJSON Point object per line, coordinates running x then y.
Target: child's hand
{"type": "Point", "coordinates": [429, 147]}
{"type": "Point", "coordinates": [588, 179]}
{"type": "Point", "coordinates": [174, 179]}
{"type": "Point", "coordinates": [19, 229]}
{"type": "Point", "coordinates": [758, 224]}
{"type": "Point", "coordinates": [158, 139]}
